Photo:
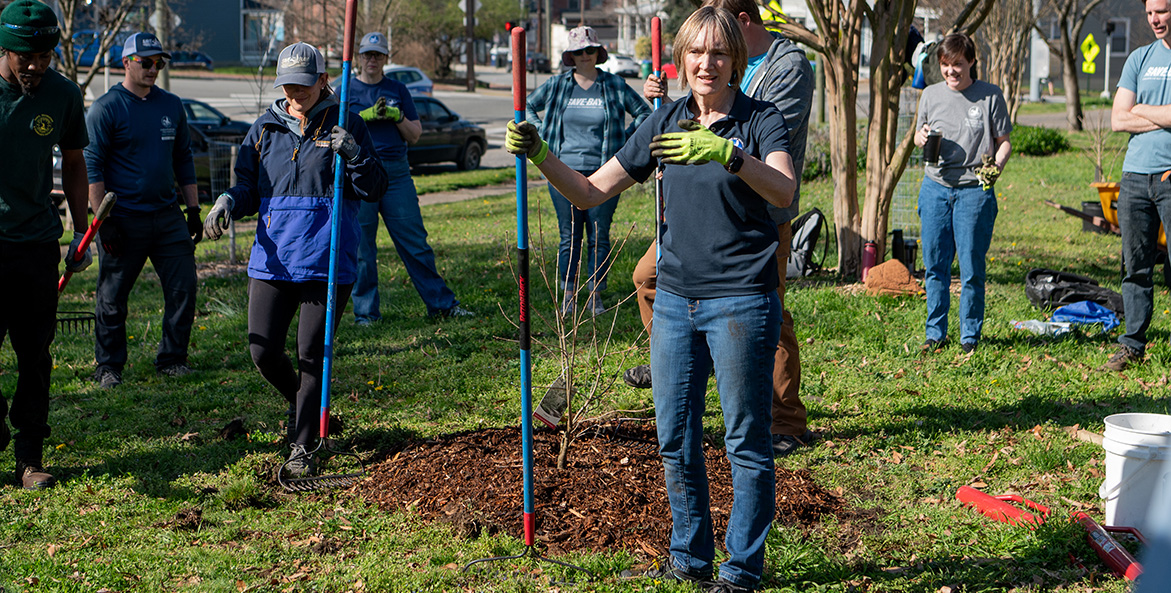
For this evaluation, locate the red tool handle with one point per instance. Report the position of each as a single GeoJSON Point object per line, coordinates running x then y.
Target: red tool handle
{"type": "Point", "coordinates": [1115, 556]}
{"type": "Point", "coordinates": [103, 210]}
{"type": "Point", "coordinates": [998, 509]}
{"type": "Point", "coordinates": [656, 45]}
{"type": "Point", "coordinates": [518, 69]}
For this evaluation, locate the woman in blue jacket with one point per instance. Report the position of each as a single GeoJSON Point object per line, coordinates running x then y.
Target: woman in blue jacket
{"type": "Point", "coordinates": [286, 175]}
{"type": "Point", "coordinates": [585, 109]}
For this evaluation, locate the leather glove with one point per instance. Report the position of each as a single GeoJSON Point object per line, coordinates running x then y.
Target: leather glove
{"type": "Point", "coordinates": [523, 139]}
{"type": "Point", "coordinates": [71, 255]}
{"type": "Point", "coordinates": [194, 225]}
{"type": "Point", "coordinates": [110, 237]}
{"type": "Point", "coordinates": [343, 143]}
{"type": "Point", "coordinates": [379, 112]}
{"type": "Point", "coordinates": [694, 146]}
{"type": "Point", "coordinates": [217, 219]}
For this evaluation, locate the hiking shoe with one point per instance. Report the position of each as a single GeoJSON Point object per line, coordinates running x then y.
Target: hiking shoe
{"type": "Point", "coordinates": [301, 463]}
{"type": "Point", "coordinates": [108, 378]}
{"type": "Point", "coordinates": [667, 571]}
{"type": "Point", "coordinates": [784, 444]}
{"type": "Point", "coordinates": [723, 586]}
{"type": "Point", "coordinates": [364, 321]}
{"type": "Point", "coordinates": [638, 377]}
{"type": "Point", "coordinates": [179, 369]}
{"type": "Point", "coordinates": [31, 476]}
{"type": "Point", "coordinates": [594, 304]}
{"type": "Point", "coordinates": [456, 311]}
{"type": "Point", "coordinates": [1122, 359]}
{"type": "Point", "coordinates": [968, 347]}
{"type": "Point", "coordinates": [932, 344]}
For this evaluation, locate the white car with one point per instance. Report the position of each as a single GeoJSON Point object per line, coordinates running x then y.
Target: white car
{"type": "Point", "coordinates": [623, 66]}
{"type": "Point", "coordinates": [414, 79]}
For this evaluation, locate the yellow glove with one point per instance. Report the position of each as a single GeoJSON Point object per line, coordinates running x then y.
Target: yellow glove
{"type": "Point", "coordinates": [523, 139]}
{"type": "Point", "coordinates": [695, 146]}
{"type": "Point", "coordinates": [379, 111]}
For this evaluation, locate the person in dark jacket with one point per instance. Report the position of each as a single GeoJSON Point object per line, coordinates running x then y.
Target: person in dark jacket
{"type": "Point", "coordinates": [585, 112]}
{"type": "Point", "coordinates": [39, 108]}
{"type": "Point", "coordinates": [139, 150]}
{"type": "Point", "coordinates": [285, 173]}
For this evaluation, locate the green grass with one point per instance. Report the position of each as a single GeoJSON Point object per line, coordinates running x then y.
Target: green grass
{"type": "Point", "coordinates": [902, 430]}
{"type": "Point", "coordinates": [1090, 101]}
{"type": "Point", "coordinates": [425, 184]}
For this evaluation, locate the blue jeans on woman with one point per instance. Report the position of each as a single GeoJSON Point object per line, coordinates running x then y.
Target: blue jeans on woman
{"type": "Point", "coordinates": [573, 222]}
{"type": "Point", "coordinates": [957, 221]}
{"type": "Point", "coordinates": [739, 335]}
{"type": "Point", "coordinates": [399, 208]}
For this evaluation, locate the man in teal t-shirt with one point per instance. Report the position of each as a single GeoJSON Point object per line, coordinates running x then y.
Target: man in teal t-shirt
{"type": "Point", "coordinates": [1142, 107]}
{"type": "Point", "coordinates": [39, 108]}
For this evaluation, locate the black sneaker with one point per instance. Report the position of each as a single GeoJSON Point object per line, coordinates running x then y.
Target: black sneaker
{"type": "Point", "coordinates": [968, 347]}
{"type": "Point", "coordinates": [666, 570]}
{"type": "Point", "coordinates": [638, 377]}
{"type": "Point", "coordinates": [31, 476]}
{"type": "Point", "coordinates": [179, 369]}
{"type": "Point", "coordinates": [1124, 358]}
{"type": "Point", "coordinates": [301, 463]}
{"type": "Point", "coordinates": [456, 311]}
{"type": "Point", "coordinates": [784, 444]}
{"type": "Point", "coordinates": [107, 378]}
{"type": "Point", "coordinates": [722, 586]}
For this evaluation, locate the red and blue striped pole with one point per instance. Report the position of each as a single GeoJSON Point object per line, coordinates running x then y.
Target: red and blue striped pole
{"type": "Point", "coordinates": [522, 264]}
{"type": "Point", "coordinates": [657, 66]}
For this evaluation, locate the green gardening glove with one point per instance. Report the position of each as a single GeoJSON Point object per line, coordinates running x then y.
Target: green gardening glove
{"type": "Point", "coordinates": [380, 112]}
{"type": "Point", "coordinates": [523, 139]}
{"type": "Point", "coordinates": [696, 146]}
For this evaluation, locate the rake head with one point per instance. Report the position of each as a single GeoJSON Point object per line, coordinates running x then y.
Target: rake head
{"type": "Point", "coordinates": [346, 470]}
{"type": "Point", "coordinates": [75, 321]}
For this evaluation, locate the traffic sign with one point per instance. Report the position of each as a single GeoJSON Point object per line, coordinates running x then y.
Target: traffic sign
{"type": "Point", "coordinates": [1090, 51]}
{"type": "Point", "coordinates": [463, 6]}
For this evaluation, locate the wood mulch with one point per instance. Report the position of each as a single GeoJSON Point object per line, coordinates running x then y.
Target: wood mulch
{"type": "Point", "coordinates": [612, 495]}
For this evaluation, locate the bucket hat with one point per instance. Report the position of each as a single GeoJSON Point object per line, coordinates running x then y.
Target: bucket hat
{"type": "Point", "coordinates": [581, 38]}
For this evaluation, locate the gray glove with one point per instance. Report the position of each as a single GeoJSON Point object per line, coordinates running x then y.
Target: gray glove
{"type": "Point", "coordinates": [71, 255]}
{"type": "Point", "coordinates": [343, 143]}
{"type": "Point", "coordinates": [217, 220]}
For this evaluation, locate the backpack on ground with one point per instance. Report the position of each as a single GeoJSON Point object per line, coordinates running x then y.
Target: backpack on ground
{"type": "Point", "coordinates": [1050, 289]}
{"type": "Point", "coordinates": [806, 232]}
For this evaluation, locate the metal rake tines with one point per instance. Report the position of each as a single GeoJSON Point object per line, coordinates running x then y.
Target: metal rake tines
{"type": "Point", "coordinates": [75, 321]}
{"type": "Point", "coordinates": [320, 482]}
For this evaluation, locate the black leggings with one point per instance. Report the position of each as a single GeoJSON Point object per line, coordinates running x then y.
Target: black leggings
{"type": "Point", "coordinates": [271, 307]}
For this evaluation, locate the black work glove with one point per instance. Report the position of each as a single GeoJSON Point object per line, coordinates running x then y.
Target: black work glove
{"type": "Point", "coordinates": [343, 143]}
{"type": "Point", "coordinates": [194, 224]}
{"type": "Point", "coordinates": [110, 237]}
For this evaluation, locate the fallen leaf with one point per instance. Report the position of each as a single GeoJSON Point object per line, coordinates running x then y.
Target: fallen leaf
{"type": "Point", "coordinates": [52, 550]}
{"type": "Point", "coordinates": [241, 585]}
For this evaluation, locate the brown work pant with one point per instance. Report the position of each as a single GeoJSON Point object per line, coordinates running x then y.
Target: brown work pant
{"type": "Point", "coordinates": [789, 416]}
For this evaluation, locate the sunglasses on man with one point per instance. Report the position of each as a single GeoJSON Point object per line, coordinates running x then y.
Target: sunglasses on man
{"type": "Point", "coordinates": [148, 63]}
{"type": "Point", "coordinates": [589, 51]}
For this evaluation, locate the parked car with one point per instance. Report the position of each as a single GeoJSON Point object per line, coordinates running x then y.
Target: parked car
{"type": "Point", "coordinates": [414, 79]}
{"type": "Point", "coordinates": [623, 66]}
{"type": "Point", "coordinates": [191, 59]}
{"type": "Point", "coordinates": [214, 124]}
{"type": "Point", "coordinates": [535, 61]}
{"type": "Point", "coordinates": [87, 42]}
{"type": "Point", "coordinates": [446, 137]}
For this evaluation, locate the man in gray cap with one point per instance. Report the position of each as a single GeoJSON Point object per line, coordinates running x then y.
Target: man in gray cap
{"type": "Point", "coordinates": [139, 150]}
{"type": "Point", "coordinates": [39, 108]}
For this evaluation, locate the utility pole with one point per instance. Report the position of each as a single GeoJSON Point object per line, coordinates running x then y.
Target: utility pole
{"type": "Point", "coordinates": [470, 32]}
{"type": "Point", "coordinates": [164, 35]}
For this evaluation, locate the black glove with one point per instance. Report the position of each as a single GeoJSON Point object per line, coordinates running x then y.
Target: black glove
{"type": "Point", "coordinates": [110, 237]}
{"type": "Point", "coordinates": [194, 224]}
{"type": "Point", "coordinates": [343, 143]}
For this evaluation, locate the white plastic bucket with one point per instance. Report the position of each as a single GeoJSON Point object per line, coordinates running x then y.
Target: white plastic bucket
{"type": "Point", "coordinates": [1136, 445]}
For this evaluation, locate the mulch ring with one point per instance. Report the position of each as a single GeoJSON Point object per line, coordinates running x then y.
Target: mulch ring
{"type": "Point", "coordinates": [611, 496]}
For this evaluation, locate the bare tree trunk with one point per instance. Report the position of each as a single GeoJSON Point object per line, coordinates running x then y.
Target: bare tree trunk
{"type": "Point", "coordinates": [1071, 17]}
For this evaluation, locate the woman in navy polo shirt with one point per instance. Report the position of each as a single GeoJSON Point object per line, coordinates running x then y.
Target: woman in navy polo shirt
{"type": "Point", "coordinates": [717, 298]}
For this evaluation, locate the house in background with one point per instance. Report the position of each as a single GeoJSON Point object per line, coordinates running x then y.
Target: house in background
{"type": "Point", "coordinates": [234, 32]}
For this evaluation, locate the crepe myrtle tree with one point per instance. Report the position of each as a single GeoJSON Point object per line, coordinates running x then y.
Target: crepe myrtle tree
{"type": "Point", "coordinates": [838, 39]}
{"type": "Point", "coordinates": [1004, 44]}
{"type": "Point", "coordinates": [1071, 17]}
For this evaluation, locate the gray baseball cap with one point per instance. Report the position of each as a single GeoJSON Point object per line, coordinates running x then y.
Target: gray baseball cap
{"type": "Point", "coordinates": [143, 44]}
{"type": "Point", "coordinates": [299, 63]}
{"type": "Point", "coordinates": [374, 42]}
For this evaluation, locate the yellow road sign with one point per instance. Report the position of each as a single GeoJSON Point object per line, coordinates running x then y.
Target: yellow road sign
{"type": "Point", "coordinates": [1090, 51]}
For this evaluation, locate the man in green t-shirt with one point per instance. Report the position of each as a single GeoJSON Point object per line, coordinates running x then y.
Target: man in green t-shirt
{"type": "Point", "coordinates": [39, 108]}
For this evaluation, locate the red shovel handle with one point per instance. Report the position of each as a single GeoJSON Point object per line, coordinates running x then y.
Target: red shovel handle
{"type": "Point", "coordinates": [656, 45]}
{"type": "Point", "coordinates": [1115, 556]}
{"type": "Point", "coordinates": [103, 210]}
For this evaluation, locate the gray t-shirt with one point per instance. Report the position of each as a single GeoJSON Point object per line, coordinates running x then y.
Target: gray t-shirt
{"type": "Point", "coordinates": [970, 120]}
{"type": "Point", "coordinates": [583, 125]}
{"type": "Point", "coordinates": [1148, 76]}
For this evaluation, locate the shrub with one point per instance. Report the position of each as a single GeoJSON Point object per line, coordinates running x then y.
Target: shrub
{"type": "Point", "coordinates": [1035, 141]}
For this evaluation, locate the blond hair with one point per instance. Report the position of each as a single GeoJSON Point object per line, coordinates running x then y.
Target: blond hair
{"type": "Point", "coordinates": [725, 31]}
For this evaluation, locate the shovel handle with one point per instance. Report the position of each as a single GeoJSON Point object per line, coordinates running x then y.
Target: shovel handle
{"type": "Point", "coordinates": [100, 215]}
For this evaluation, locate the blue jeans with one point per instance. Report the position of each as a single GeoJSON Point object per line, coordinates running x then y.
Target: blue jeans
{"type": "Point", "coordinates": [399, 208]}
{"type": "Point", "coordinates": [1143, 202]}
{"type": "Point", "coordinates": [573, 222]}
{"type": "Point", "coordinates": [739, 335]}
{"type": "Point", "coordinates": [957, 222]}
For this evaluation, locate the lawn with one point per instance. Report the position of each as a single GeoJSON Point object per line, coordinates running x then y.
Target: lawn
{"type": "Point", "coordinates": [902, 430]}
